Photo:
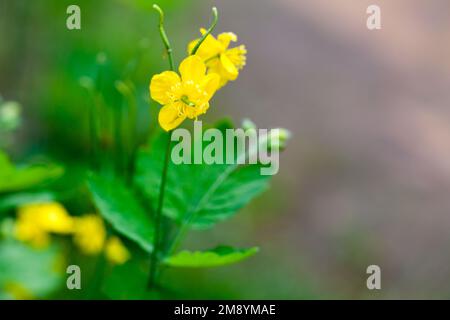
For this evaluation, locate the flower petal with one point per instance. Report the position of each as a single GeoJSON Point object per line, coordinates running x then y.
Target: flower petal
{"type": "Point", "coordinates": [215, 67]}
{"type": "Point", "coordinates": [210, 85]}
{"type": "Point", "coordinates": [237, 56]}
{"type": "Point", "coordinates": [170, 116]}
{"type": "Point", "coordinates": [204, 108]}
{"type": "Point", "coordinates": [161, 86]}
{"type": "Point", "coordinates": [192, 69]}
{"type": "Point", "coordinates": [191, 46]}
{"type": "Point", "coordinates": [210, 47]}
{"type": "Point", "coordinates": [225, 38]}
{"type": "Point", "coordinates": [228, 66]}
{"type": "Point", "coordinates": [194, 112]}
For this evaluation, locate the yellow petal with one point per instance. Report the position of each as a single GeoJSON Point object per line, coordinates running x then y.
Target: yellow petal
{"type": "Point", "coordinates": [170, 116]}
{"type": "Point", "coordinates": [191, 46]}
{"type": "Point", "coordinates": [162, 86]}
{"type": "Point", "coordinates": [194, 112]}
{"type": "Point", "coordinates": [210, 85]}
{"type": "Point", "coordinates": [210, 47]}
{"type": "Point", "coordinates": [203, 108]}
{"type": "Point", "coordinates": [228, 66]}
{"type": "Point", "coordinates": [28, 231]}
{"type": "Point", "coordinates": [226, 37]}
{"type": "Point", "coordinates": [192, 69]}
{"type": "Point", "coordinates": [237, 56]}
{"type": "Point", "coordinates": [89, 234]}
{"type": "Point", "coordinates": [215, 67]}
{"type": "Point", "coordinates": [115, 251]}
{"type": "Point", "coordinates": [48, 216]}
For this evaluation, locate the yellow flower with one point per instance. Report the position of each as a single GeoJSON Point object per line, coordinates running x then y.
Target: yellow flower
{"type": "Point", "coordinates": [51, 216]}
{"type": "Point", "coordinates": [28, 231]}
{"type": "Point", "coordinates": [89, 234]}
{"type": "Point", "coordinates": [116, 252]}
{"type": "Point", "coordinates": [219, 58]}
{"type": "Point", "coordinates": [183, 97]}
{"type": "Point", "coordinates": [35, 221]}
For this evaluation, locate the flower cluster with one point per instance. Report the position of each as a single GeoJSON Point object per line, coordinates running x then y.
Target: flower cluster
{"type": "Point", "coordinates": [36, 222]}
{"type": "Point", "coordinates": [187, 95]}
{"type": "Point", "coordinates": [219, 58]}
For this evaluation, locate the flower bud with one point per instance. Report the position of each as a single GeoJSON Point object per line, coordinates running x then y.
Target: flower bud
{"type": "Point", "coordinates": [87, 83]}
{"type": "Point", "coordinates": [101, 58]}
{"type": "Point", "coordinates": [10, 115]}
{"type": "Point", "coordinates": [278, 138]}
{"type": "Point", "coordinates": [248, 124]}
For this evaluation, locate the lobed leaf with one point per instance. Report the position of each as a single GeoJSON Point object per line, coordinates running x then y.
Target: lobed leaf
{"type": "Point", "coordinates": [199, 195]}
{"type": "Point", "coordinates": [118, 205]}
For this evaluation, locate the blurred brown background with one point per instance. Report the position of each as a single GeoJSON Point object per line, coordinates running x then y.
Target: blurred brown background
{"type": "Point", "coordinates": [366, 177]}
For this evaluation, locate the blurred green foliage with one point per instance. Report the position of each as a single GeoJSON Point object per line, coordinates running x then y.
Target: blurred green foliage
{"type": "Point", "coordinates": [29, 274]}
{"type": "Point", "coordinates": [45, 61]}
{"type": "Point", "coordinates": [14, 179]}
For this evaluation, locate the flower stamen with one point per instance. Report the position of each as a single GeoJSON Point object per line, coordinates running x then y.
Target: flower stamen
{"type": "Point", "coordinates": [186, 101]}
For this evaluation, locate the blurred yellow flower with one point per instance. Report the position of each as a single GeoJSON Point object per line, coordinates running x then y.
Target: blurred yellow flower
{"type": "Point", "coordinates": [219, 58]}
{"type": "Point", "coordinates": [28, 231]}
{"type": "Point", "coordinates": [51, 216]}
{"type": "Point", "coordinates": [17, 291]}
{"type": "Point", "coordinates": [89, 234]}
{"type": "Point", "coordinates": [116, 252]}
{"type": "Point", "coordinates": [36, 221]}
{"type": "Point", "coordinates": [183, 97]}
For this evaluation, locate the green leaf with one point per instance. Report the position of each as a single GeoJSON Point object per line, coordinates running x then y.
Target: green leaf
{"type": "Point", "coordinates": [25, 271]}
{"type": "Point", "coordinates": [18, 178]}
{"type": "Point", "coordinates": [118, 205]}
{"type": "Point", "coordinates": [219, 256]}
{"type": "Point", "coordinates": [198, 195]}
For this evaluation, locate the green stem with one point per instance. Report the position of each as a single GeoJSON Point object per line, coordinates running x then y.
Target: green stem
{"type": "Point", "coordinates": [163, 34]}
{"type": "Point", "coordinates": [154, 259]}
{"type": "Point", "coordinates": [211, 28]}
{"type": "Point", "coordinates": [118, 139]}
{"type": "Point", "coordinates": [93, 136]}
{"type": "Point", "coordinates": [96, 282]}
{"type": "Point", "coordinates": [94, 87]}
{"type": "Point", "coordinates": [128, 134]}
{"type": "Point", "coordinates": [101, 115]}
